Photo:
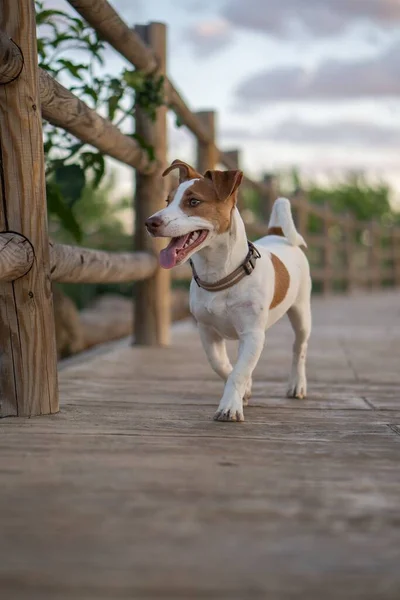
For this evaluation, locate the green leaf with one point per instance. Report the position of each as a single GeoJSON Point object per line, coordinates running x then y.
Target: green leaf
{"type": "Point", "coordinates": [143, 144]}
{"type": "Point", "coordinates": [134, 79]}
{"type": "Point", "coordinates": [95, 161]}
{"type": "Point", "coordinates": [57, 206]}
{"type": "Point", "coordinates": [43, 16]}
{"type": "Point", "coordinates": [113, 103]}
{"type": "Point", "coordinates": [72, 68]}
{"type": "Point", "coordinates": [99, 167]}
{"type": "Point", "coordinates": [70, 180]}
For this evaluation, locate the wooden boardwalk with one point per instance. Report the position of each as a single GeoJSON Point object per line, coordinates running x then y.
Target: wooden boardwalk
{"type": "Point", "coordinates": [133, 492]}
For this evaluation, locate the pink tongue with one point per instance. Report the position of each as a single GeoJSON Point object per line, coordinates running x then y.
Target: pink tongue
{"type": "Point", "coordinates": [169, 255]}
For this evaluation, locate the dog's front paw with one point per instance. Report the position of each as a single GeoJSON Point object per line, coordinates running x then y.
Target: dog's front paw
{"type": "Point", "coordinates": [297, 388]}
{"type": "Point", "coordinates": [229, 415]}
{"type": "Point", "coordinates": [230, 411]}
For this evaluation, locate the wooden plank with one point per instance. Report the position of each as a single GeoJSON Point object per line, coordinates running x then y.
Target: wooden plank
{"type": "Point", "coordinates": [28, 377]}
{"type": "Point", "coordinates": [72, 264]}
{"type": "Point", "coordinates": [308, 488]}
{"type": "Point", "coordinates": [63, 109]}
{"type": "Point", "coordinates": [152, 306]}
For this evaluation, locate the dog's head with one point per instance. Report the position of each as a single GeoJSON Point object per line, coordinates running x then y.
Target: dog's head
{"type": "Point", "coordinates": [197, 211]}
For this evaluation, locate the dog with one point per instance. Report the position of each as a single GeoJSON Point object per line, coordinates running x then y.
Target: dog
{"type": "Point", "coordinates": [239, 289]}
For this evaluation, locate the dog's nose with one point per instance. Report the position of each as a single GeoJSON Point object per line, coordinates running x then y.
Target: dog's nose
{"type": "Point", "coordinates": [153, 224]}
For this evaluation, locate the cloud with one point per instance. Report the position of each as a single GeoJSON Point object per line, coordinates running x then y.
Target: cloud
{"type": "Point", "coordinates": [207, 37]}
{"type": "Point", "coordinates": [374, 77]}
{"type": "Point", "coordinates": [316, 17]}
{"type": "Point", "coordinates": [336, 133]}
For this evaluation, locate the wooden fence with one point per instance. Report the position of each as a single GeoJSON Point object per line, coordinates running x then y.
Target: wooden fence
{"type": "Point", "coordinates": [344, 253]}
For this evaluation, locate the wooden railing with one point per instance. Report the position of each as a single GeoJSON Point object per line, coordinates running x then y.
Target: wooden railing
{"type": "Point", "coordinates": [344, 253]}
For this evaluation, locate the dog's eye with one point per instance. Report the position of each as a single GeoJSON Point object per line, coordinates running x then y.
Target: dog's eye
{"type": "Point", "coordinates": [194, 202]}
{"type": "Point", "coordinates": [167, 201]}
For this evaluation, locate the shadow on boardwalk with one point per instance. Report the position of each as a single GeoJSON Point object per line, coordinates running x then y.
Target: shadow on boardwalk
{"type": "Point", "coordinates": [132, 491]}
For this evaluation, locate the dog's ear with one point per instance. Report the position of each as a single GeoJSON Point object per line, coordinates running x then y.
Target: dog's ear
{"type": "Point", "coordinates": [186, 172]}
{"type": "Point", "coordinates": [225, 182]}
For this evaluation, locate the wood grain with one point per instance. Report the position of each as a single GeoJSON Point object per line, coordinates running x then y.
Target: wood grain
{"type": "Point", "coordinates": [134, 492]}
{"type": "Point", "coordinates": [72, 264]}
{"type": "Point", "coordinates": [62, 108]}
{"type": "Point", "coordinates": [152, 297]}
{"type": "Point", "coordinates": [207, 153]}
{"type": "Point", "coordinates": [11, 59]}
{"type": "Point", "coordinates": [16, 256]}
{"type": "Point", "coordinates": [28, 369]}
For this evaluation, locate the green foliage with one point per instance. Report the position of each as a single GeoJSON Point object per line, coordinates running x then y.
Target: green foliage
{"type": "Point", "coordinates": [60, 36]}
{"type": "Point", "coordinates": [354, 195]}
{"type": "Point", "coordinates": [101, 224]}
{"type": "Point", "coordinates": [364, 200]}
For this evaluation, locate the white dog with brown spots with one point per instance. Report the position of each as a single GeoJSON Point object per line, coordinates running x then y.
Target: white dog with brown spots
{"type": "Point", "coordinates": [238, 289]}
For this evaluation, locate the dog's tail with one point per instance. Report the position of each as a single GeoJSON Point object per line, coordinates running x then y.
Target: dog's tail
{"type": "Point", "coordinates": [281, 216]}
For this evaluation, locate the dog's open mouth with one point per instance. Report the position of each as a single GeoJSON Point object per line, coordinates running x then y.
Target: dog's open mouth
{"type": "Point", "coordinates": [179, 248]}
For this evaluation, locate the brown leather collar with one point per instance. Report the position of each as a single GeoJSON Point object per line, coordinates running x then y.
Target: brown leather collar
{"type": "Point", "coordinates": [237, 275]}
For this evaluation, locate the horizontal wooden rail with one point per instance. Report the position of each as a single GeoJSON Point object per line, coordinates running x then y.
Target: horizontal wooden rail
{"type": "Point", "coordinates": [16, 256]}
{"type": "Point", "coordinates": [71, 264]}
{"type": "Point", "coordinates": [111, 28]}
{"type": "Point", "coordinates": [11, 60]}
{"type": "Point", "coordinates": [62, 108]}
{"type": "Point", "coordinates": [106, 21]}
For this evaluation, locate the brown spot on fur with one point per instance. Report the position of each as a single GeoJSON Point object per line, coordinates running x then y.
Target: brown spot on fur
{"type": "Point", "coordinates": [217, 192]}
{"type": "Point", "coordinates": [282, 281]}
{"type": "Point", "coordinates": [275, 231]}
{"type": "Point", "coordinates": [225, 182]}
{"type": "Point", "coordinates": [211, 207]}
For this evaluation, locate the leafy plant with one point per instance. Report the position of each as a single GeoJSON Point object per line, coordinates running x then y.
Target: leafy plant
{"type": "Point", "coordinates": [70, 165]}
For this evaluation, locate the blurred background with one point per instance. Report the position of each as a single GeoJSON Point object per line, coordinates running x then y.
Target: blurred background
{"type": "Point", "coordinates": [309, 92]}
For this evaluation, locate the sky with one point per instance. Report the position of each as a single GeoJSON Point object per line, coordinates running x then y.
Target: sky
{"type": "Point", "coordinates": [308, 83]}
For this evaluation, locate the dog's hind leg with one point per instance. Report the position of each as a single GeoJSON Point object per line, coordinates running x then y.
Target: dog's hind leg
{"type": "Point", "coordinates": [300, 318]}
{"type": "Point", "coordinates": [215, 349]}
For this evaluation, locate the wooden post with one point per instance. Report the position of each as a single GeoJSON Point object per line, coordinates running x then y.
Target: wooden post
{"type": "Point", "coordinates": [301, 210]}
{"type": "Point", "coordinates": [349, 252]}
{"type": "Point", "coordinates": [271, 193]}
{"type": "Point", "coordinates": [28, 357]}
{"type": "Point", "coordinates": [328, 250]}
{"type": "Point", "coordinates": [152, 306]}
{"type": "Point", "coordinates": [207, 153]}
{"type": "Point", "coordinates": [234, 159]}
{"type": "Point", "coordinates": [396, 255]}
{"type": "Point", "coordinates": [374, 255]}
